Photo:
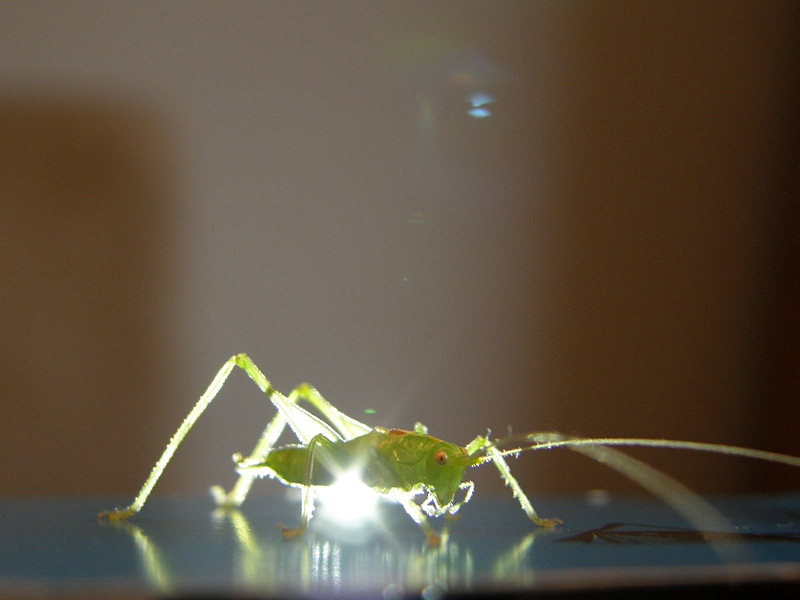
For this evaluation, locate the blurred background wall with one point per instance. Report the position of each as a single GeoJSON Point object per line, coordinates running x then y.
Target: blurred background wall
{"type": "Point", "coordinates": [571, 216]}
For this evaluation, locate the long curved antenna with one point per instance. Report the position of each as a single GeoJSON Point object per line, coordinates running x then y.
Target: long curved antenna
{"type": "Point", "coordinates": [697, 511]}
{"type": "Point", "coordinates": [546, 441]}
{"type": "Point", "coordinates": [685, 502]}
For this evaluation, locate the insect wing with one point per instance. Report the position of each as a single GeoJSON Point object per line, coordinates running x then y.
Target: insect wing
{"type": "Point", "coordinates": [349, 427]}
{"type": "Point", "coordinates": [303, 423]}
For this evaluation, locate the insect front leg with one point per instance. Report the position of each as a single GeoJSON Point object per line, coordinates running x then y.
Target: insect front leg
{"type": "Point", "coordinates": [406, 500]}
{"type": "Point", "coordinates": [485, 444]}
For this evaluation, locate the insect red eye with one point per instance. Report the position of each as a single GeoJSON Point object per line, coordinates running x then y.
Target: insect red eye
{"type": "Point", "coordinates": [440, 457]}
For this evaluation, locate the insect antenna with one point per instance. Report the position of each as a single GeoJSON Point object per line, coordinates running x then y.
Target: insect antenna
{"type": "Point", "coordinates": [697, 511]}
{"type": "Point", "coordinates": [548, 441]}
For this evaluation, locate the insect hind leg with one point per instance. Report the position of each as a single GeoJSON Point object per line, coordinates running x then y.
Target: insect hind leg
{"type": "Point", "coordinates": [265, 443]}
{"type": "Point", "coordinates": [345, 425]}
{"type": "Point", "coordinates": [174, 442]}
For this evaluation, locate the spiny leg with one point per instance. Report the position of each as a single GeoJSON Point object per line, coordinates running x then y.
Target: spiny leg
{"type": "Point", "coordinates": [240, 489]}
{"type": "Point", "coordinates": [347, 427]}
{"type": "Point", "coordinates": [274, 429]}
{"type": "Point", "coordinates": [174, 442]}
{"type": "Point", "coordinates": [483, 443]}
{"type": "Point", "coordinates": [265, 443]}
{"type": "Point", "coordinates": [469, 486]}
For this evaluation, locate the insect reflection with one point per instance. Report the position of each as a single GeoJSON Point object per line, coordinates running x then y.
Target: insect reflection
{"type": "Point", "coordinates": [265, 562]}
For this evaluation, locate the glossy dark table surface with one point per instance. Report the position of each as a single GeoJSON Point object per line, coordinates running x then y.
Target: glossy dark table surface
{"type": "Point", "coordinates": [182, 546]}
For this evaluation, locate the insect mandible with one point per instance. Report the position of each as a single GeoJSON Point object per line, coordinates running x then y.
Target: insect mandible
{"type": "Point", "coordinates": [403, 465]}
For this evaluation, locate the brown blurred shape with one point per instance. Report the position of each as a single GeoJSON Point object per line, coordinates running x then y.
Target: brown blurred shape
{"type": "Point", "coordinates": [674, 284]}
{"type": "Point", "coordinates": [86, 205]}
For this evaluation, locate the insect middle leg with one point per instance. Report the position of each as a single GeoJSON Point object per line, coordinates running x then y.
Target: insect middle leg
{"type": "Point", "coordinates": [345, 425]}
{"type": "Point", "coordinates": [331, 456]}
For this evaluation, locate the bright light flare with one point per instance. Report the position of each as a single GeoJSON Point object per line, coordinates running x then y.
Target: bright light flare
{"type": "Point", "coordinates": [348, 501]}
{"type": "Point", "coordinates": [479, 102]}
{"type": "Point", "coordinates": [479, 113]}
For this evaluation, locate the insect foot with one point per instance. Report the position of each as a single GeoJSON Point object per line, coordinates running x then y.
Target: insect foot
{"type": "Point", "coordinates": [546, 522]}
{"type": "Point", "coordinates": [292, 532]}
{"type": "Point", "coordinates": [116, 515]}
{"type": "Point", "coordinates": [221, 498]}
{"type": "Point", "coordinates": [434, 539]}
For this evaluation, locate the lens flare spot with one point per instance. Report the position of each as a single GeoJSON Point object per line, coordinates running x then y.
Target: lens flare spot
{"type": "Point", "coordinates": [348, 501]}
{"type": "Point", "coordinates": [479, 102]}
{"type": "Point", "coordinates": [480, 99]}
{"type": "Point", "coordinates": [479, 113]}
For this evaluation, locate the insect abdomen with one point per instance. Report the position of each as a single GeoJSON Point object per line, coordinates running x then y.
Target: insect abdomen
{"type": "Point", "coordinates": [289, 465]}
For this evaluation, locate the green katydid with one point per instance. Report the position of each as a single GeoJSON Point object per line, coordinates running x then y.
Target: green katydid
{"type": "Point", "coordinates": [402, 465]}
